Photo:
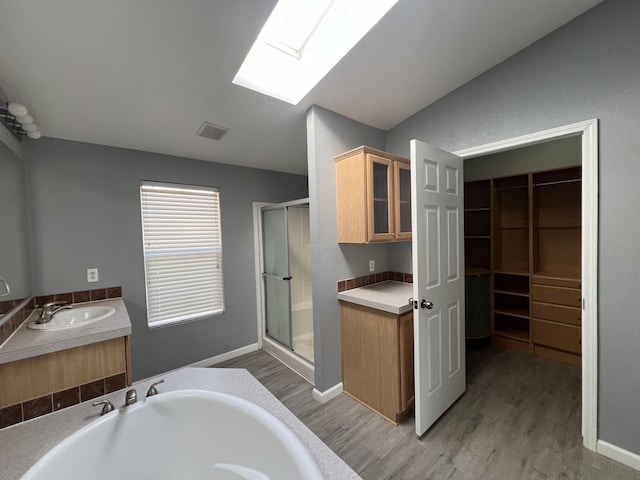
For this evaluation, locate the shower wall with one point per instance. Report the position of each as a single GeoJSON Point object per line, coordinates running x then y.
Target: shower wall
{"type": "Point", "coordinates": [299, 257]}
{"type": "Point", "coordinates": [300, 267]}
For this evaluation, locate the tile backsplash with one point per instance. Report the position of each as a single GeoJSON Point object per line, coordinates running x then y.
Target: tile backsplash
{"type": "Point", "coordinates": [36, 407]}
{"type": "Point", "coordinates": [80, 296]}
{"type": "Point", "coordinates": [365, 280]}
{"type": "Point", "coordinates": [11, 323]}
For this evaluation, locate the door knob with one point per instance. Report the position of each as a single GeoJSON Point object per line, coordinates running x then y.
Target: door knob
{"type": "Point", "coordinates": [425, 304]}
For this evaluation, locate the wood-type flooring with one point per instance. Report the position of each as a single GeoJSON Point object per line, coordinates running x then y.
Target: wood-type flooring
{"type": "Point", "coordinates": [519, 419]}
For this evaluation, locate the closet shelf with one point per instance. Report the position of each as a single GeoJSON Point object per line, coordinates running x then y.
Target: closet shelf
{"type": "Point", "coordinates": [513, 333]}
{"type": "Point", "coordinates": [520, 292]}
{"type": "Point", "coordinates": [511, 271]}
{"type": "Point", "coordinates": [512, 312]}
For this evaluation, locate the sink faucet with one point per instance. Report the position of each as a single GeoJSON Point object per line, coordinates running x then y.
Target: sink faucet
{"type": "Point", "coordinates": [48, 310]}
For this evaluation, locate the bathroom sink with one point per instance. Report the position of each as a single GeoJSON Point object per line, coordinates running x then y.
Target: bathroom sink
{"type": "Point", "coordinates": [75, 317]}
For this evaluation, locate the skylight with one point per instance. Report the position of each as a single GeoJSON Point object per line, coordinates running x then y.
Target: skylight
{"type": "Point", "coordinates": [304, 39]}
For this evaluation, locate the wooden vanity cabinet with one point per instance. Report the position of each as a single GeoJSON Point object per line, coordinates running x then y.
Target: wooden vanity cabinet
{"type": "Point", "coordinates": [35, 377]}
{"type": "Point", "coordinates": [373, 196]}
{"type": "Point", "coordinates": [377, 359]}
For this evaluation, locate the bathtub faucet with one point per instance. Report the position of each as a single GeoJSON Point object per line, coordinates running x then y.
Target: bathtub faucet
{"type": "Point", "coordinates": [152, 389]}
{"type": "Point", "coordinates": [131, 397]}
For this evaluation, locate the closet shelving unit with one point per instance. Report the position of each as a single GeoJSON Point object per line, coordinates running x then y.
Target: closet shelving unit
{"type": "Point", "coordinates": [511, 261]}
{"type": "Point", "coordinates": [531, 259]}
{"type": "Point", "coordinates": [556, 296]}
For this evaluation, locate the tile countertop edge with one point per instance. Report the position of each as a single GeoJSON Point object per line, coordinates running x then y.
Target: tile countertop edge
{"type": "Point", "coordinates": [25, 443]}
{"type": "Point", "coordinates": [26, 343]}
{"type": "Point", "coordinates": [391, 297]}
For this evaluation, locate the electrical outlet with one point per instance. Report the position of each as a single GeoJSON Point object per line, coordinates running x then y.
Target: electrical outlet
{"type": "Point", "coordinates": [92, 275]}
{"type": "Point", "coordinates": [372, 265]}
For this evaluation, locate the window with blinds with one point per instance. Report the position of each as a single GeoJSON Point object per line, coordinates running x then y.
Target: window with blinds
{"type": "Point", "coordinates": [182, 252]}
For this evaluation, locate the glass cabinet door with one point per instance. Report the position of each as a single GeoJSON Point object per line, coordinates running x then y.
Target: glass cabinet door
{"type": "Point", "coordinates": [402, 174]}
{"type": "Point", "coordinates": [379, 192]}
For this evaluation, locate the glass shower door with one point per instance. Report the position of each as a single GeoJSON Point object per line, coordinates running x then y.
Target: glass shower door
{"type": "Point", "coordinates": [277, 276]}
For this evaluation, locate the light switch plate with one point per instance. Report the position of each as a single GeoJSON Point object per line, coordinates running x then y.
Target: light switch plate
{"type": "Point", "coordinates": [92, 275]}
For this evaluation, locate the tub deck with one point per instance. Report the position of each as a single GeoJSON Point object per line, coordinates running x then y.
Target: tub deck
{"type": "Point", "coordinates": [24, 444]}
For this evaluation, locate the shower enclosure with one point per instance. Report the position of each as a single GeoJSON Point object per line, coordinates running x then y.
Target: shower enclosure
{"type": "Point", "coordinates": [286, 278]}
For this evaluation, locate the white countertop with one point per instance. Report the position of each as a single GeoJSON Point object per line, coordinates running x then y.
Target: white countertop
{"type": "Point", "coordinates": [26, 343]}
{"type": "Point", "coordinates": [23, 444]}
{"type": "Point", "coordinates": [389, 296]}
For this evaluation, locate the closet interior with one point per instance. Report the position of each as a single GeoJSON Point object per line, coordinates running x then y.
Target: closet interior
{"type": "Point", "coordinates": [523, 250]}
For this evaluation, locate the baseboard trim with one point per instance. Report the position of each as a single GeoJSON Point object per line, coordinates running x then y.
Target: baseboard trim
{"type": "Point", "coordinates": [329, 394]}
{"type": "Point", "coordinates": [618, 454]}
{"type": "Point", "coordinates": [223, 357]}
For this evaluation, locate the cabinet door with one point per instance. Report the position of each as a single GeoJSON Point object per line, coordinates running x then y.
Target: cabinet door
{"type": "Point", "coordinates": [379, 198]}
{"type": "Point", "coordinates": [370, 371]}
{"type": "Point", "coordinates": [402, 200]}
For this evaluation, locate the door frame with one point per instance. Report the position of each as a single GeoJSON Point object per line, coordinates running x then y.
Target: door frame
{"type": "Point", "coordinates": [588, 131]}
{"type": "Point", "coordinates": [294, 362]}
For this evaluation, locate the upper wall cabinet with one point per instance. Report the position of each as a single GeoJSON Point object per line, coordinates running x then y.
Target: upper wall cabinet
{"type": "Point", "coordinates": [373, 196]}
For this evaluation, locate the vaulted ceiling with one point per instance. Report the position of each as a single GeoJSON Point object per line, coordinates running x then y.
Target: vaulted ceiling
{"type": "Point", "coordinates": [145, 74]}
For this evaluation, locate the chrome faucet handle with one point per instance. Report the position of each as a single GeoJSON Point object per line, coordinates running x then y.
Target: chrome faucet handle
{"type": "Point", "coordinates": [152, 389]}
{"type": "Point", "coordinates": [54, 304]}
{"type": "Point", "coordinates": [131, 397]}
{"type": "Point", "coordinates": [48, 307]}
{"type": "Point", "coordinates": [108, 406]}
{"type": "Point", "coordinates": [58, 308]}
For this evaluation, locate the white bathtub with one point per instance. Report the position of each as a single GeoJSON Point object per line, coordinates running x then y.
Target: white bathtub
{"type": "Point", "coordinates": [185, 435]}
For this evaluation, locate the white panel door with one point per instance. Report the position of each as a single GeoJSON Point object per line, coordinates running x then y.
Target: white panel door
{"type": "Point", "coordinates": [438, 281]}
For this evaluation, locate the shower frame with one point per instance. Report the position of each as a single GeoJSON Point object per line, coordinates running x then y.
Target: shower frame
{"type": "Point", "coordinates": [287, 356]}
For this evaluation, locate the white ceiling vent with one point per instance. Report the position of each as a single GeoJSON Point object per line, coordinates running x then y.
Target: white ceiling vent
{"type": "Point", "coordinates": [214, 132]}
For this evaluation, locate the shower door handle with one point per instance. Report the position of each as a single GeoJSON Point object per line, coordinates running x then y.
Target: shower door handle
{"type": "Point", "coordinates": [276, 276]}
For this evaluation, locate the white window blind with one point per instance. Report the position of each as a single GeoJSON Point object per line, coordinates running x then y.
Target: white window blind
{"type": "Point", "coordinates": [182, 252]}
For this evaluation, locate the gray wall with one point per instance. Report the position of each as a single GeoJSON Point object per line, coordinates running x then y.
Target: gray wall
{"type": "Point", "coordinates": [543, 156]}
{"type": "Point", "coordinates": [85, 213]}
{"type": "Point", "coordinates": [329, 134]}
{"type": "Point", "coordinates": [589, 68]}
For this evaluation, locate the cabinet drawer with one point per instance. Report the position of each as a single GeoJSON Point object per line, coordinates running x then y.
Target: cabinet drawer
{"type": "Point", "coordinates": [538, 279]}
{"type": "Point", "coordinates": [556, 335]}
{"type": "Point", "coordinates": [571, 297]}
{"type": "Point", "coordinates": [556, 313]}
